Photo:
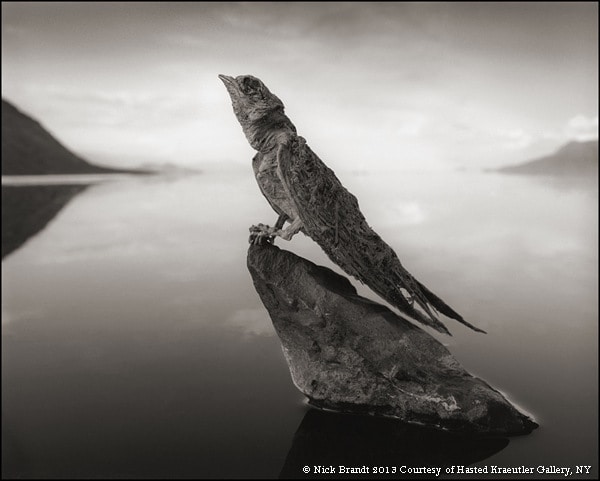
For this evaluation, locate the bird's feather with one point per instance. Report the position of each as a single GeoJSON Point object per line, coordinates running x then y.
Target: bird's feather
{"type": "Point", "coordinates": [331, 216]}
{"type": "Point", "coordinates": [256, 161]}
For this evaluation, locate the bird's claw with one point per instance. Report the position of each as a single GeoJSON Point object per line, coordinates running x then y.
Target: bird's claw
{"type": "Point", "coordinates": [260, 238]}
{"type": "Point", "coordinates": [260, 235]}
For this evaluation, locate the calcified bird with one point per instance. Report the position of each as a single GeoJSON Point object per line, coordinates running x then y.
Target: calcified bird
{"type": "Point", "coordinates": [308, 195]}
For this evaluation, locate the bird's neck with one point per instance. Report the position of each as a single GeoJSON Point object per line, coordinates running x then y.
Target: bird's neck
{"type": "Point", "coordinates": [267, 132]}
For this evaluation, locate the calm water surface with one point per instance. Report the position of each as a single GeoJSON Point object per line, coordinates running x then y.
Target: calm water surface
{"type": "Point", "coordinates": [134, 344]}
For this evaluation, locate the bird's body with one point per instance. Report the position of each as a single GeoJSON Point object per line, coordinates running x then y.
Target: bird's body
{"type": "Point", "coordinates": [307, 194]}
{"type": "Point", "coordinates": [266, 167]}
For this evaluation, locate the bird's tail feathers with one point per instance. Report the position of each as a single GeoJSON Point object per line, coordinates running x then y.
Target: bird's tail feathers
{"type": "Point", "coordinates": [427, 318]}
{"type": "Point", "coordinates": [444, 308]}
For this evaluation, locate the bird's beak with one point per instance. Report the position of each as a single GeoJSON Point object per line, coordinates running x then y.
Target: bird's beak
{"type": "Point", "coordinates": [230, 84]}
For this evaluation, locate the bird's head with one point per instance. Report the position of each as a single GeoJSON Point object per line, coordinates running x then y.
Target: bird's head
{"type": "Point", "coordinates": [251, 99]}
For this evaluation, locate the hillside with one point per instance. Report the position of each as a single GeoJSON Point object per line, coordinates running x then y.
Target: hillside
{"type": "Point", "coordinates": [575, 159]}
{"type": "Point", "coordinates": [29, 149]}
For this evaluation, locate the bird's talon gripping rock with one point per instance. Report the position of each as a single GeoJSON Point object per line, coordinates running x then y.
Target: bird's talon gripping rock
{"type": "Point", "coordinates": [259, 235]}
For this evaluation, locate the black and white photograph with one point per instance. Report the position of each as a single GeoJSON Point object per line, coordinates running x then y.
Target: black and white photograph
{"type": "Point", "coordinates": [300, 240]}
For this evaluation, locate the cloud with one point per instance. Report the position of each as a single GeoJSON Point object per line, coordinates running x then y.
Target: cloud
{"type": "Point", "coordinates": [409, 213]}
{"type": "Point", "coordinates": [119, 108]}
{"type": "Point", "coordinates": [579, 127]}
{"type": "Point", "coordinates": [582, 128]}
{"type": "Point", "coordinates": [516, 139]}
{"type": "Point", "coordinates": [185, 40]}
{"type": "Point", "coordinates": [388, 84]}
{"type": "Point", "coordinates": [410, 124]}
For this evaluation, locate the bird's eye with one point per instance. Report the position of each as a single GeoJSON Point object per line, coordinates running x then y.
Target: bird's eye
{"type": "Point", "coordinates": [250, 85]}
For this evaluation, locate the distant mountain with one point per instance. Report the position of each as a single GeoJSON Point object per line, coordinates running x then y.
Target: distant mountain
{"type": "Point", "coordinates": [29, 149]}
{"type": "Point", "coordinates": [169, 168]}
{"type": "Point", "coordinates": [575, 159]}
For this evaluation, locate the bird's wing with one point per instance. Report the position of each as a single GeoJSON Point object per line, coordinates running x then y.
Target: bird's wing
{"type": "Point", "coordinates": [331, 216]}
{"type": "Point", "coordinates": [255, 163]}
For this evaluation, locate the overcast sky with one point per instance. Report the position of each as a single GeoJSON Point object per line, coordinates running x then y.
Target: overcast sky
{"type": "Point", "coordinates": [390, 85]}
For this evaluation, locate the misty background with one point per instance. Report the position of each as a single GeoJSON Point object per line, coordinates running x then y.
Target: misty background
{"type": "Point", "coordinates": [369, 85]}
{"type": "Point", "coordinates": [133, 341]}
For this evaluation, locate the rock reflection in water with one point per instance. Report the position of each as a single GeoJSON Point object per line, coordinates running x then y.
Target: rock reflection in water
{"type": "Point", "coordinates": [333, 439]}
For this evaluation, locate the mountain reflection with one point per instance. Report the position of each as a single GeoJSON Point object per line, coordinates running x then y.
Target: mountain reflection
{"type": "Point", "coordinates": [26, 210]}
{"type": "Point", "coordinates": [332, 439]}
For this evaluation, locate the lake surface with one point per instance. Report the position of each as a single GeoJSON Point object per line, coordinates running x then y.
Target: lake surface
{"type": "Point", "coordinates": [134, 344]}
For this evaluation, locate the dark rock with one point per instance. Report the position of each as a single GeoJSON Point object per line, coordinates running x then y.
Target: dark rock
{"type": "Point", "coordinates": [350, 354]}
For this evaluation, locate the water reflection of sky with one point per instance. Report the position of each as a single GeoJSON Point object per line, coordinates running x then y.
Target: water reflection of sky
{"type": "Point", "coordinates": [131, 327]}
